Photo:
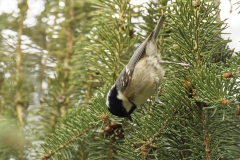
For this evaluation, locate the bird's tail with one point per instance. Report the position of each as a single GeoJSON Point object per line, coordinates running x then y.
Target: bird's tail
{"type": "Point", "coordinates": [158, 28]}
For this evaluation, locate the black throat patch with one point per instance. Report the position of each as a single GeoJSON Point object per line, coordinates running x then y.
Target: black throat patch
{"type": "Point", "coordinates": [114, 104]}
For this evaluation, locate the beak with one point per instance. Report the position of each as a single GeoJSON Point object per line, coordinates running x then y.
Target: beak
{"type": "Point", "coordinates": [129, 117]}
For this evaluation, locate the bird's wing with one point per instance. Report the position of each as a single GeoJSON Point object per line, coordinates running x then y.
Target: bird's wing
{"type": "Point", "coordinates": [128, 70]}
{"type": "Point", "coordinates": [138, 54]}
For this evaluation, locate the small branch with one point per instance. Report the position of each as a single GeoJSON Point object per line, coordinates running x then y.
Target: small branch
{"type": "Point", "coordinates": [181, 64]}
{"type": "Point", "coordinates": [88, 91]}
{"type": "Point", "coordinates": [206, 136]}
{"type": "Point", "coordinates": [162, 127]}
{"type": "Point", "coordinates": [41, 76]}
{"type": "Point", "coordinates": [149, 144]}
{"type": "Point", "coordinates": [110, 154]}
{"type": "Point", "coordinates": [19, 71]}
{"type": "Point", "coordinates": [23, 7]}
{"type": "Point", "coordinates": [49, 155]}
{"type": "Point", "coordinates": [230, 1]}
{"type": "Point", "coordinates": [217, 3]}
{"type": "Point", "coordinates": [67, 59]}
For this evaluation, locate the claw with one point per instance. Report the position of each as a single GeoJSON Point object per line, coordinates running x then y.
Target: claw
{"type": "Point", "coordinates": [156, 96]}
{"type": "Point", "coordinates": [158, 101]}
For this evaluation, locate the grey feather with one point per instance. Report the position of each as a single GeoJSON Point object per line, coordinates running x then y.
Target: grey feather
{"type": "Point", "coordinates": [138, 54]}
{"type": "Point", "coordinates": [141, 49]}
{"type": "Point", "coordinates": [158, 27]}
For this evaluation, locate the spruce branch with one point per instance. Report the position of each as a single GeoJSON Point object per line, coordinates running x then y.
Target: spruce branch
{"type": "Point", "coordinates": [150, 145]}
{"type": "Point", "coordinates": [62, 146]}
{"type": "Point", "coordinates": [195, 128]}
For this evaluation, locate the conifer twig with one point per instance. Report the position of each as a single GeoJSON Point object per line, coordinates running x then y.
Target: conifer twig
{"type": "Point", "coordinates": [51, 153]}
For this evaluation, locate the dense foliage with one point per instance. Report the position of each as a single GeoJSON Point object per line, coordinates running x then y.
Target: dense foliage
{"type": "Point", "coordinates": [55, 74]}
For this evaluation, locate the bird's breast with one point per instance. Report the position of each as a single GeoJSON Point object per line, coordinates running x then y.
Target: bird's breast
{"type": "Point", "coordinates": [143, 80]}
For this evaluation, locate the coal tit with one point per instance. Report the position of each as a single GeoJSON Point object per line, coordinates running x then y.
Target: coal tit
{"type": "Point", "coordinates": [139, 79]}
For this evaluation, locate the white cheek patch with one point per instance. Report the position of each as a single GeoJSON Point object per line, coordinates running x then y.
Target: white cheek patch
{"type": "Point", "coordinates": [125, 102]}
{"type": "Point", "coordinates": [121, 96]}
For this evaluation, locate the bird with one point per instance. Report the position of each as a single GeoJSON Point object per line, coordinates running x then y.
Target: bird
{"type": "Point", "coordinates": [139, 79]}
